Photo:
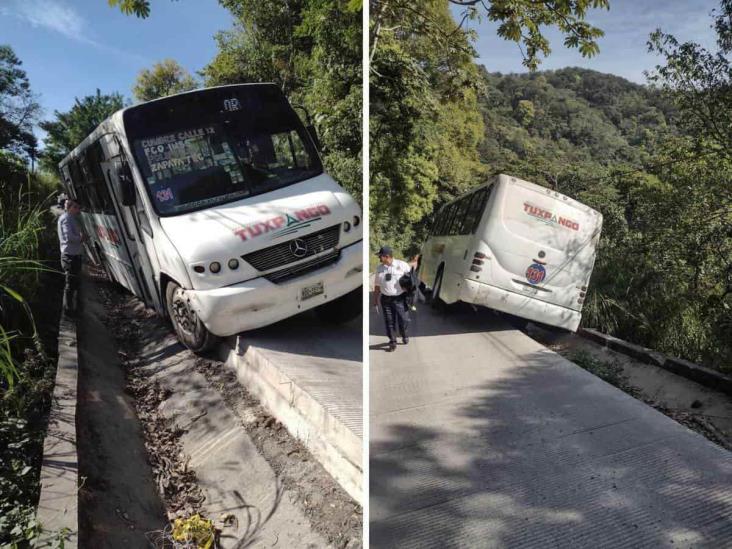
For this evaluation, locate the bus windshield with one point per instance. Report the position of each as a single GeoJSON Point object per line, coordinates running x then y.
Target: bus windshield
{"type": "Point", "coordinates": [207, 148]}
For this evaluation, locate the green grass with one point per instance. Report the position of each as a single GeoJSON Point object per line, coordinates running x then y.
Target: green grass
{"type": "Point", "coordinates": [27, 236]}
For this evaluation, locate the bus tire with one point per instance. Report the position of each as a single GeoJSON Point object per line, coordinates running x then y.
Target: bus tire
{"type": "Point", "coordinates": [188, 327]}
{"type": "Point", "coordinates": [342, 309]}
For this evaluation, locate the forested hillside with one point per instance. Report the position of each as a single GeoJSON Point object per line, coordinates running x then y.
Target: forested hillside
{"type": "Point", "coordinates": [571, 121]}
{"type": "Point", "coordinates": [654, 159]}
{"type": "Point", "coordinates": [663, 262]}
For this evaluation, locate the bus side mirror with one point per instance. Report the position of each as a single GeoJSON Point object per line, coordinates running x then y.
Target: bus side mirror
{"type": "Point", "coordinates": [314, 135]}
{"type": "Point", "coordinates": [126, 186]}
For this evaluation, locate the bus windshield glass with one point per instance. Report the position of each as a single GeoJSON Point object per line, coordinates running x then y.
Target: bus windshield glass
{"type": "Point", "coordinates": [207, 148]}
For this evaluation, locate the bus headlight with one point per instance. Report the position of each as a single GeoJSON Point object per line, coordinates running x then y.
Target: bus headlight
{"type": "Point", "coordinates": [346, 226]}
{"type": "Point", "coordinates": [233, 263]}
{"type": "Point", "coordinates": [215, 267]}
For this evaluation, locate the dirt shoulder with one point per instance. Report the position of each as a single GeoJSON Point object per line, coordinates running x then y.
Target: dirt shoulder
{"type": "Point", "coordinates": [699, 408]}
{"type": "Point", "coordinates": [304, 483]}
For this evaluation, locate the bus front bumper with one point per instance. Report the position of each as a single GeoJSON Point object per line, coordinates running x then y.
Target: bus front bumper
{"type": "Point", "coordinates": [259, 302]}
{"type": "Point", "coordinates": [523, 306]}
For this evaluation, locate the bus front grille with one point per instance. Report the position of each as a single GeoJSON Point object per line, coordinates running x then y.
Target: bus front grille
{"type": "Point", "coordinates": [303, 268]}
{"type": "Point", "coordinates": [282, 254]}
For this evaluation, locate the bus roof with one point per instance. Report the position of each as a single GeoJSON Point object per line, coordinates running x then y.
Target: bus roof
{"type": "Point", "coordinates": [497, 179]}
{"type": "Point", "coordinates": [116, 117]}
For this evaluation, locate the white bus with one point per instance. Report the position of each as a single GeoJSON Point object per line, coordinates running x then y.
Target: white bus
{"type": "Point", "coordinates": [515, 247]}
{"type": "Point", "coordinates": [212, 206]}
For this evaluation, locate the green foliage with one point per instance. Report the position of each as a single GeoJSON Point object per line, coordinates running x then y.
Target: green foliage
{"type": "Point", "coordinates": [662, 273]}
{"type": "Point", "coordinates": [521, 21]}
{"type": "Point", "coordinates": [699, 82]}
{"type": "Point", "coordinates": [18, 107]}
{"type": "Point", "coordinates": [72, 127]}
{"type": "Point", "coordinates": [425, 123]}
{"type": "Point", "coordinates": [655, 161]}
{"type": "Point", "coordinates": [166, 77]}
{"type": "Point", "coordinates": [26, 376]}
{"type": "Point", "coordinates": [312, 50]}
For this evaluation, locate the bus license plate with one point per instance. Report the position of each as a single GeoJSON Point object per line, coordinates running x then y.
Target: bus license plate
{"type": "Point", "coordinates": [311, 291]}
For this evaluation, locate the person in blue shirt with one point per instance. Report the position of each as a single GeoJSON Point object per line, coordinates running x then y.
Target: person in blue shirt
{"type": "Point", "coordinates": [71, 237]}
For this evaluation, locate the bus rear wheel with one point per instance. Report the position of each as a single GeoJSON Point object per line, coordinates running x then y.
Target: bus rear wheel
{"type": "Point", "coordinates": [190, 330]}
{"type": "Point", "coordinates": [342, 309]}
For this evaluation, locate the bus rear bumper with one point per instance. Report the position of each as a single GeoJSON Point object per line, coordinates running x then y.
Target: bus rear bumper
{"type": "Point", "coordinates": [259, 302]}
{"type": "Point", "coordinates": [523, 306]}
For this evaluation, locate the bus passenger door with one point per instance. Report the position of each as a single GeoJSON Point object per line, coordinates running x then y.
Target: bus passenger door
{"type": "Point", "coordinates": [134, 232]}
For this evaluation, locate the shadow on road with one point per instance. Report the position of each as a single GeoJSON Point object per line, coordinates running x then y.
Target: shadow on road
{"type": "Point", "coordinates": [306, 334]}
{"type": "Point", "coordinates": [459, 318]}
{"type": "Point", "coordinates": [532, 451]}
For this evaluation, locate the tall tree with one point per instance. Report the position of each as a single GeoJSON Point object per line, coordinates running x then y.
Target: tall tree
{"type": "Point", "coordinates": [166, 77]}
{"type": "Point", "coordinates": [68, 129]}
{"type": "Point", "coordinates": [699, 81]}
{"type": "Point", "coordinates": [312, 50]}
{"type": "Point", "coordinates": [425, 122]}
{"type": "Point", "coordinates": [18, 107]}
{"type": "Point", "coordinates": [520, 21]}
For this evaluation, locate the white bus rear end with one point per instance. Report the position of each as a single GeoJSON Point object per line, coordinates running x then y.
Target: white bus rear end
{"type": "Point", "coordinates": [529, 253]}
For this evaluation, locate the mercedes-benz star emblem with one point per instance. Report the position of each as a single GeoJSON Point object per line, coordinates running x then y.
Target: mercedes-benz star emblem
{"type": "Point", "coordinates": [298, 247]}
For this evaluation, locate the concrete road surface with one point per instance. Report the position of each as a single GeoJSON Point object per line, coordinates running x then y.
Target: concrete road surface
{"type": "Point", "coordinates": [481, 437]}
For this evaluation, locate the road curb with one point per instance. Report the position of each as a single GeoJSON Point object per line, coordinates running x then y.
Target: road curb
{"type": "Point", "coordinates": [333, 444]}
{"type": "Point", "coordinates": [700, 374]}
{"type": "Point", "coordinates": [58, 505]}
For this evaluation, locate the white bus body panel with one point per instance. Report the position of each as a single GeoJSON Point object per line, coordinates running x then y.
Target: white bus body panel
{"type": "Point", "coordinates": [233, 301]}
{"type": "Point", "coordinates": [525, 229]}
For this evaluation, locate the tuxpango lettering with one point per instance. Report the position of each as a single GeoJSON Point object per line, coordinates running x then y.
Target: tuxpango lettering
{"type": "Point", "coordinates": [549, 217]}
{"type": "Point", "coordinates": [108, 234]}
{"type": "Point", "coordinates": [279, 221]}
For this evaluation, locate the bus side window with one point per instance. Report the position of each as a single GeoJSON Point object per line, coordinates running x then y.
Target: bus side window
{"type": "Point", "coordinates": [435, 229]}
{"type": "Point", "coordinates": [94, 157]}
{"type": "Point", "coordinates": [457, 222]}
{"type": "Point", "coordinates": [440, 223]}
{"type": "Point", "coordinates": [475, 211]}
{"type": "Point", "coordinates": [449, 215]}
{"type": "Point", "coordinates": [79, 183]}
{"type": "Point", "coordinates": [94, 203]}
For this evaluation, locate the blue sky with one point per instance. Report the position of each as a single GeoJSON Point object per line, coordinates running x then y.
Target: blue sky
{"type": "Point", "coordinates": [69, 48]}
{"type": "Point", "coordinates": [623, 48]}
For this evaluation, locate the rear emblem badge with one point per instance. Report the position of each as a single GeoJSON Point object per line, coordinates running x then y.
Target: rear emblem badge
{"type": "Point", "coordinates": [536, 273]}
{"type": "Point", "coordinates": [298, 247]}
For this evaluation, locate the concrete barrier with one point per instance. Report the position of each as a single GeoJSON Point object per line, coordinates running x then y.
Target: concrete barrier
{"type": "Point", "coordinates": [58, 504]}
{"type": "Point", "coordinates": [330, 439]}
{"type": "Point", "coordinates": [702, 375]}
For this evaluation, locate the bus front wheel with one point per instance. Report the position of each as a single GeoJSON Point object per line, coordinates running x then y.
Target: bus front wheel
{"type": "Point", "coordinates": [342, 309]}
{"type": "Point", "coordinates": [190, 330]}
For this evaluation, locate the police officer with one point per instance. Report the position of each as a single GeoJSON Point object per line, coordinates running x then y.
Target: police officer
{"type": "Point", "coordinates": [70, 238]}
{"type": "Point", "coordinates": [391, 296]}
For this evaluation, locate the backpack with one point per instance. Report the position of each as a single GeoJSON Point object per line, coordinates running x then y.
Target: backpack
{"type": "Point", "coordinates": [409, 283]}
